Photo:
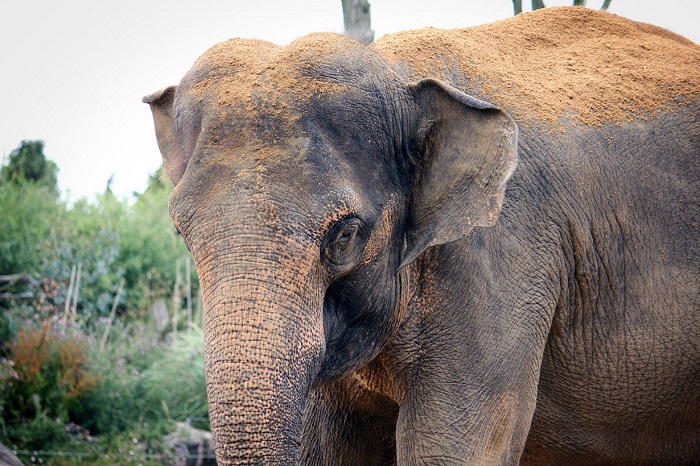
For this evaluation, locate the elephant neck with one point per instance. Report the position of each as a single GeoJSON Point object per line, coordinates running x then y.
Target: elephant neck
{"type": "Point", "coordinates": [389, 373]}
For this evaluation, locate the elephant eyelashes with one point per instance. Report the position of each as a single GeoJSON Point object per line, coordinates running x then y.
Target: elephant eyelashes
{"type": "Point", "coordinates": [341, 249]}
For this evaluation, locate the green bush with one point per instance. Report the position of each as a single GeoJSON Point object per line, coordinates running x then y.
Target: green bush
{"type": "Point", "coordinates": [146, 381]}
{"type": "Point", "coordinates": [42, 385]}
{"type": "Point", "coordinates": [111, 238]}
{"type": "Point", "coordinates": [114, 240]}
{"type": "Point", "coordinates": [88, 234]}
{"type": "Point", "coordinates": [29, 213]}
{"type": "Point", "coordinates": [57, 389]}
{"type": "Point", "coordinates": [50, 396]}
{"type": "Point", "coordinates": [117, 404]}
{"type": "Point", "coordinates": [149, 248]}
{"type": "Point", "coordinates": [174, 385]}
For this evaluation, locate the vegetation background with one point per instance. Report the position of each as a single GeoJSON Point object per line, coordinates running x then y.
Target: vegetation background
{"type": "Point", "coordinates": [100, 326]}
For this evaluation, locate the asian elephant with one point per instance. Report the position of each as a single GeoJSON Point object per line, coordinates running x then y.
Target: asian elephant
{"type": "Point", "coordinates": [396, 272]}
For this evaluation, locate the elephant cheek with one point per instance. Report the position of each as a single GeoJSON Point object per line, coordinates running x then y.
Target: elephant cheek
{"type": "Point", "coordinates": [263, 346]}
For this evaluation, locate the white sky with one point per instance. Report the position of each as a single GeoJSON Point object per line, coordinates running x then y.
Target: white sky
{"type": "Point", "coordinates": [73, 72]}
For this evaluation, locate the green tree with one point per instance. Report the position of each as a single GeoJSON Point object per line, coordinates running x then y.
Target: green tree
{"type": "Point", "coordinates": [88, 233]}
{"type": "Point", "coordinates": [29, 206]}
{"type": "Point", "coordinates": [149, 248]}
{"type": "Point", "coordinates": [27, 216]}
{"type": "Point", "coordinates": [28, 164]}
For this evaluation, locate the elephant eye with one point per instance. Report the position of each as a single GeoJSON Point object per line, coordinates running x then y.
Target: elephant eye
{"type": "Point", "coordinates": [341, 249]}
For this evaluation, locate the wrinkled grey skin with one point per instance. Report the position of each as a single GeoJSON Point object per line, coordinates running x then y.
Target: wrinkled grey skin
{"type": "Point", "coordinates": [362, 305]}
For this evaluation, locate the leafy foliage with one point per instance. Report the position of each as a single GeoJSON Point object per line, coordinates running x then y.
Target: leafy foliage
{"type": "Point", "coordinates": [88, 234]}
{"type": "Point", "coordinates": [43, 382]}
{"type": "Point", "coordinates": [57, 389]}
{"type": "Point", "coordinates": [175, 383]}
{"type": "Point", "coordinates": [117, 404]}
{"type": "Point", "coordinates": [28, 164]}
{"type": "Point", "coordinates": [29, 213]}
{"type": "Point", "coordinates": [149, 248]}
{"type": "Point", "coordinates": [28, 199]}
{"type": "Point", "coordinates": [111, 238]}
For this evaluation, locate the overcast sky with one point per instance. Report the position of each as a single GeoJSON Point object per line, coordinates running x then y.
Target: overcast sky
{"type": "Point", "coordinates": [73, 72]}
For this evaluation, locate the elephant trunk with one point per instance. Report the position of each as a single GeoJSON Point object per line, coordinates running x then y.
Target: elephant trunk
{"type": "Point", "coordinates": [263, 346]}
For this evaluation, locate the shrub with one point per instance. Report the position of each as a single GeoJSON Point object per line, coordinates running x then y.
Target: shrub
{"type": "Point", "coordinates": [149, 249]}
{"type": "Point", "coordinates": [28, 213]}
{"type": "Point", "coordinates": [88, 234]}
{"type": "Point", "coordinates": [42, 384]}
{"type": "Point", "coordinates": [117, 404]}
{"type": "Point", "coordinates": [50, 393]}
{"type": "Point", "coordinates": [174, 385]}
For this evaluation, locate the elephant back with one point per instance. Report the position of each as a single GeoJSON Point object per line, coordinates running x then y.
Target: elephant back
{"type": "Point", "coordinates": [586, 66]}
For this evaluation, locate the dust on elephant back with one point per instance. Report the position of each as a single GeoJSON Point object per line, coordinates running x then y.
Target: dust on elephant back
{"type": "Point", "coordinates": [590, 67]}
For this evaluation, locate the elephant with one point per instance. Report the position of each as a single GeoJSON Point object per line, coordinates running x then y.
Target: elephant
{"type": "Point", "coordinates": [471, 246]}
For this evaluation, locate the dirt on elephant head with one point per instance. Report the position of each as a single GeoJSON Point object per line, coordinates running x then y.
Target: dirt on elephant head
{"type": "Point", "coordinates": [257, 81]}
{"type": "Point", "coordinates": [592, 66]}
{"type": "Point", "coordinates": [238, 67]}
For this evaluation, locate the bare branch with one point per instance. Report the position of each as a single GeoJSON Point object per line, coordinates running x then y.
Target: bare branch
{"type": "Point", "coordinates": [8, 281]}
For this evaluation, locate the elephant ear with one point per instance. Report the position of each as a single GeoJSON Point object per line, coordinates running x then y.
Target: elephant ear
{"type": "Point", "coordinates": [161, 104]}
{"type": "Point", "coordinates": [468, 150]}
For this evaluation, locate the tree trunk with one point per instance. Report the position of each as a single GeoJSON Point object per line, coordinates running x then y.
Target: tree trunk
{"type": "Point", "coordinates": [537, 4]}
{"type": "Point", "coordinates": [517, 7]}
{"type": "Point", "coordinates": [7, 281]}
{"type": "Point", "coordinates": [358, 22]}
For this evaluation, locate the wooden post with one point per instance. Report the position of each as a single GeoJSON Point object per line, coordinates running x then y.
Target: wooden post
{"type": "Point", "coordinates": [74, 310]}
{"type": "Point", "coordinates": [176, 298]}
{"type": "Point", "coordinates": [189, 290]}
{"type": "Point", "coordinates": [111, 316]}
{"type": "Point", "coordinates": [198, 318]}
{"type": "Point", "coordinates": [68, 298]}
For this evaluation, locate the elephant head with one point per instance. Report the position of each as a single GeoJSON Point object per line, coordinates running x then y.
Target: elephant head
{"type": "Point", "coordinates": [308, 179]}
